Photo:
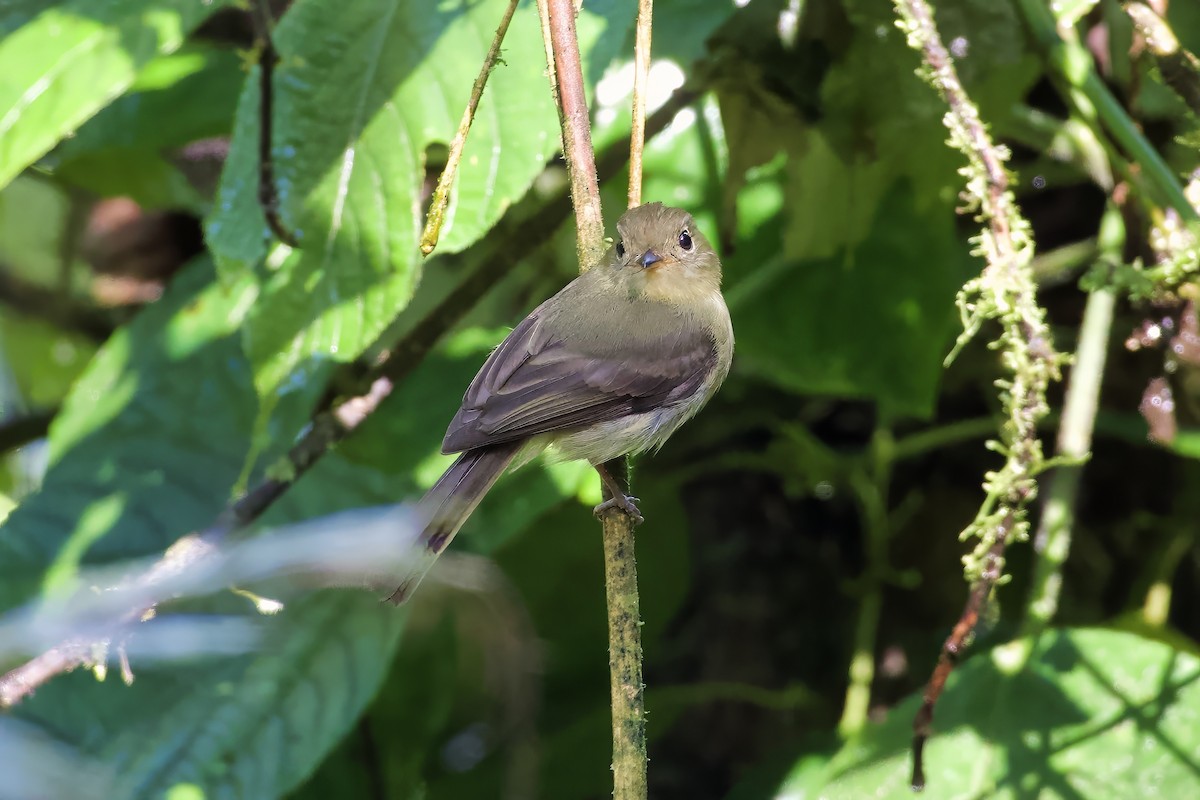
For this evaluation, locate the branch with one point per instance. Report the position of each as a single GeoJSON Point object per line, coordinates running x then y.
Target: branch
{"type": "Point", "coordinates": [441, 195]}
{"type": "Point", "coordinates": [508, 245]}
{"type": "Point", "coordinates": [59, 309]}
{"type": "Point", "coordinates": [620, 567]}
{"type": "Point", "coordinates": [260, 14]}
{"type": "Point", "coordinates": [576, 132]}
{"type": "Point", "coordinates": [20, 430]}
{"type": "Point", "coordinates": [1004, 292]}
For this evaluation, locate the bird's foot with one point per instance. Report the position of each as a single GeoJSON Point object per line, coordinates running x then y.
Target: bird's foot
{"type": "Point", "coordinates": [624, 503]}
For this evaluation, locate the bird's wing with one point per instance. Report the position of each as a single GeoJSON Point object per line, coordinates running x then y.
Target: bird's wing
{"type": "Point", "coordinates": [536, 382]}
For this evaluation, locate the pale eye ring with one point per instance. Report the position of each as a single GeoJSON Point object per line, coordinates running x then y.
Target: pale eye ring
{"type": "Point", "coordinates": [685, 239]}
{"type": "Point", "coordinates": [620, 249]}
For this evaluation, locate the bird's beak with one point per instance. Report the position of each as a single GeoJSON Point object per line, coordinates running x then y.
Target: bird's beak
{"type": "Point", "coordinates": [650, 258]}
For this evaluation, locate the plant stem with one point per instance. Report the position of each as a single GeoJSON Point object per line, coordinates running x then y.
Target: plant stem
{"type": "Point", "coordinates": [922, 442]}
{"type": "Point", "coordinates": [1004, 292]}
{"type": "Point", "coordinates": [871, 489]}
{"type": "Point", "coordinates": [576, 133]}
{"type": "Point", "coordinates": [1070, 62]}
{"type": "Point", "coordinates": [441, 195]}
{"type": "Point", "coordinates": [268, 198]}
{"type": "Point", "coordinates": [1053, 540]}
{"type": "Point", "coordinates": [620, 568]}
{"type": "Point", "coordinates": [641, 76]}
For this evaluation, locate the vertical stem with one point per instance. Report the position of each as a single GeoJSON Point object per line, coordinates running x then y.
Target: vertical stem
{"type": "Point", "coordinates": [1053, 540]}
{"type": "Point", "coordinates": [871, 489]}
{"type": "Point", "coordinates": [576, 133]}
{"type": "Point", "coordinates": [641, 75]}
{"type": "Point", "coordinates": [624, 657]}
{"type": "Point", "coordinates": [620, 569]}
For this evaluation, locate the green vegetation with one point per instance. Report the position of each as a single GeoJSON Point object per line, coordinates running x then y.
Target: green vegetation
{"type": "Point", "coordinates": [916, 247]}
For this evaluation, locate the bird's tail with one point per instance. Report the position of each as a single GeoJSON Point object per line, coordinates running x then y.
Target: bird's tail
{"type": "Point", "coordinates": [448, 504]}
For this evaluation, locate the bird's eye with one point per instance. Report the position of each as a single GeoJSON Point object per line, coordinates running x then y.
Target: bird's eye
{"type": "Point", "coordinates": [620, 249]}
{"type": "Point", "coordinates": [685, 239]}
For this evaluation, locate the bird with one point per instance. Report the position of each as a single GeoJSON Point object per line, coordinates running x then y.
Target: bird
{"type": "Point", "coordinates": [609, 366]}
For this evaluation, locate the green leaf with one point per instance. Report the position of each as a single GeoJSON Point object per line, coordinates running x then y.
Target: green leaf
{"type": "Point", "coordinates": [130, 470]}
{"type": "Point", "coordinates": [1096, 713]}
{"type": "Point", "coordinates": [361, 92]}
{"type": "Point", "coordinates": [1070, 12]}
{"type": "Point", "coordinates": [70, 60]}
{"type": "Point", "coordinates": [253, 726]}
{"type": "Point", "coordinates": [176, 99]}
{"type": "Point", "coordinates": [44, 360]}
{"type": "Point", "coordinates": [874, 321]}
{"type": "Point", "coordinates": [146, 449]}
{"type": "Point", "coordinates": [123, 150]}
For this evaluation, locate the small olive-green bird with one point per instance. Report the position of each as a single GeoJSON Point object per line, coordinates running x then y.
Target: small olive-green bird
{"type": "Point", "coordinates": [612, 365]}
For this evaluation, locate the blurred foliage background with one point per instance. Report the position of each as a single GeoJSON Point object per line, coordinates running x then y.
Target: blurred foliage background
{"type": "Point", "coordinates": [800, 568]}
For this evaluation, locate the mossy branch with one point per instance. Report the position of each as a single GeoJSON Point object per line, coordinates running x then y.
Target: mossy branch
{"type": "Point", "coordinates": [1004, 293]}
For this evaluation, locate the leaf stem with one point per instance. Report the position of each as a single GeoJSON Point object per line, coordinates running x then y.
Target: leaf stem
{"type": "Point", "coordinates": [441, 195]}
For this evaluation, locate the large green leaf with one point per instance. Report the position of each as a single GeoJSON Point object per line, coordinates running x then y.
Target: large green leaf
{"type": "Point", "coordinates": [873, 321]}
{"type": "Point", "coordinates": [123, 150]}
{"type": "Point", "coordinates": [362, 90]}
{"type": "Point", "coordinates": [70, 60]}
{"type": "Point", "coordinates": [1097, 714]}
{"type": "Point", "coordinates": [146, 448]}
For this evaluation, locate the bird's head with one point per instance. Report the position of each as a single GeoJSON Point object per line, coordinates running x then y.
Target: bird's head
{"type": "Point", "coordinates": [661, 256]}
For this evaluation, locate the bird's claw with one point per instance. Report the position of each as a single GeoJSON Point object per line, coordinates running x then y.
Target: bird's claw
{"type": "Point", "coordinates": [623, 502]}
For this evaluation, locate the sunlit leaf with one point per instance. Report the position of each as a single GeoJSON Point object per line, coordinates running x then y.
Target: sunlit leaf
{"type": "Point", "coordinates": [71, 59]}
{"type": "Point", "coordinates": [1096, 714]}
{"type": "Point", "coordinates": [362, 91]}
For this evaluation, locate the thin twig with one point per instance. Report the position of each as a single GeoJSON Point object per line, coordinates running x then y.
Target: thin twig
{"type": "Point", "coordinates": [641, 77]}
{"type": "Point", "coordinates": [441, 195]}
{"type": "Point", "coordinates": [260, 14]}
{"type": "Point", "coordinates": [507, 247]}
{"type": "Point", "coordinates": [59, 309]}
{"type": "Point", "coordinates": [956, 644]}
{"type": "Point", "coordinates": [1004, 292]}
{"type": "Point", "coordinates": [620, 567]}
